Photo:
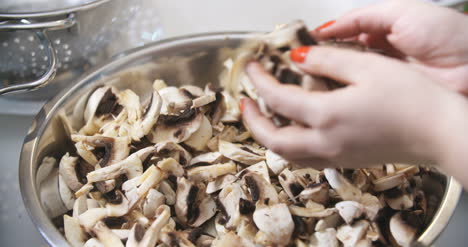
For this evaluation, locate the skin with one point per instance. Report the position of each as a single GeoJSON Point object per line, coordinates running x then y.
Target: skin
{"type": "Point", "coordinates": [396, 109]}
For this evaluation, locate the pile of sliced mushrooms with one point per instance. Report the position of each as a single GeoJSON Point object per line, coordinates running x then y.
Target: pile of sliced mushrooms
{"type": "Point", "coordinates": [180, 169]}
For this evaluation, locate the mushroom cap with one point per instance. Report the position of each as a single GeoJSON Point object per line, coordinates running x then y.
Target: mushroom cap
{"type": "Point", "coordinates": [403, 233]}
{"type": "Point", "coordinates": [276, 222]}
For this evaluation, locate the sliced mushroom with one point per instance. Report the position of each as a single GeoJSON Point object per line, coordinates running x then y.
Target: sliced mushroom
{"type": "Point", "coordinates": [350, 235]}
{"type": "Point", "coordinates": [73, 231]}
{"type": "Point", "coordinates": [210, 158]}
{"type": "Point", "coordinates": [67, 169]}
{"type": "Point", "coordinates": [101, 102]}
{"type": "Point", "coordinates": [153, 200]}
{"type": "Point", "coordinates": [211, 172]}
{"type": "Point", "coordinates": [275, 222]}
{"type": "Point", "coordinates": [324, 238]}
{"type": "Point", "coordinates": [85, 151]}
{"type": "Point", "coordinates": [203, 100]}
{"type": "Point", "coordinates": [331, 221]}
{"type": "Point", "coordinates": [115, 149]}
{"type": "Point", "coordinates": [259, 189]}
{"type": "Point", "coordinates": [311, 212]}
{"type": "Point", "coordinates": [290, 184]}
{"type": "Point", "coordinates": [232, 113]}
{"type": "Point", "coordinates": [260, 168]}
{"type": "Point", "coordinates": [80, 206]}
{"type": "Point", "coordinates": [229, 200]}
{"type": "Point", "coordinates": [174, 100]}
{"type": "Point", "coordinates": [149, 179]}
{"type": "Point", "coordinates": [349, 210]}
{"type": "Point", "coordinates": [275, 162]}
{"type": "Point", "coordinates": [159, 84]}
{"type": "Point", "coordinates": [46, 167]}
{"type": "Point", "coordinates": [171, 149]}
{"type": "Point", "coordinates": [151, 115]}
{"type": "Point", "coordinates": [171, 166]}
{"type": "Point", "coordinates": [177, 128]}
{"type": "Point", "coordinates": [200, 138]}
{"type": "Point", "coordinates": [220, 183]}
{"type": "Point", "coordinates": [318, 193]}
{"type": "Point", "coordinates": [237, 153]}
{"type": "Point", "coordinates": [131, 166]}
{"type": "Point", "coordinates": [403, 233]}
{"type": "Point", "coordinates": [231, 240]}
{"type": "Point", "coordinates": [92, 242]}
{"type": "Point", "coordinates": [66, 194]}
{"type": "Point", "coordinates": [149, 238]}
{"type": "Point", "coordinates": [106, 236]}
{"type": "Point", "coordinates": [169, 193]}
{"type": "Point", "coordinates": [343, 187]}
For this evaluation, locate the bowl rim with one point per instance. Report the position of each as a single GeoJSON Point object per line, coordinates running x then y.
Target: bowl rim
{"type": "Point", "coordinates": [29, 154]}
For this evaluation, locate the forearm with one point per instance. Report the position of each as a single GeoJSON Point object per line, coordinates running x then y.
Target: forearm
{"type": "Point", "coordinates": [451, 149]}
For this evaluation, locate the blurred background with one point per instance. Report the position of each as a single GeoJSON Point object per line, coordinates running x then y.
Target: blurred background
{"type": "Point", "coordinates": [150, 21]}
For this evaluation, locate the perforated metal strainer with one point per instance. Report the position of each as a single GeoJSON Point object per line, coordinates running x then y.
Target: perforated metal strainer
{"type": "Point", "coordinates": [53, 42]}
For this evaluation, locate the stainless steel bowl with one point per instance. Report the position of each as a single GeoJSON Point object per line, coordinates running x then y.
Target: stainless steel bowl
{"type": "Point", "coordinates": [187, 60]}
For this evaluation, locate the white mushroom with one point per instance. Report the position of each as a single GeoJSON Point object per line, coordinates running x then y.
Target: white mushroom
{"type": "Point", "coordinates": [229, 199]}
{"type": "Point", "coordinates": [324, 238]}
{"type": "Point", "coordinates": [220, 183]}
{"type": "Point", "coordinates": [106, 236]}
{"type": "Point", "coordinates": [260, 168]}
{"type": "Point", "coordinates": [169, 193]}
{"type": "Point", "coordinates": [149, 238]}
{"type": "Point", "coordinates": [73, 232]}
{"type": "Point", "coordinates": [65, 193]}
{"type": "Point", "coordinates": [211, 172]}
{"type": "Point", "coordinates": [45, 168]}
{"type": "Point", "coordinates": [350, 235]}
{"type": "Point", "coordinates": [237, 153]}
{"type": "Point", "coordinates": [349, 210]}
{"type": "Point", "coordinates": [290, 184]}
{"type": "Point", "coordinates": [171, 166]}
{"type": "Point", "coordinates": [276, 222]}
{"type": "Point", "coordinates": [403, 233]}
{"type": "Point", "coordinates": [67, 169]}
{"type": "Point", "coordinates": [153, 200]}
{"type": "Point", "coordinates": [343, 187]}
{"type": "Point", "coordinates": [92, 242]}
{"type": "Point", "coordinates": [200, 138]}
{"type": "Point", "coordinates": [177, 128]}
{"type": "Point", "coordinates": [80, 206]}
{"type": "Point", "coordinates": [115, 149]}
{"type": "Point", "coordinates": [210, 158]}
{"type": "Point", "coordinates": [275, 162]}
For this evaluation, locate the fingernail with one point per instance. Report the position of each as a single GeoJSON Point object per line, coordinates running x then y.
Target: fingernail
{"type": "Point", "coordinates": [241, 104]}
{"type": "Point", "coordinates": [299, 54]}
{"type": "Point", "coordinates": [325, 25]}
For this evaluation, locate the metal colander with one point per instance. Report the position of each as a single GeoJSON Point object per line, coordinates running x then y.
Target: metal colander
{"type": "Point", "coordinates": [44, 41]}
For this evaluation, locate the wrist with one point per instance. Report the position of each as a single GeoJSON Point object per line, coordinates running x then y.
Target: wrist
{"type": "Point", "coordinates": [450, 135]}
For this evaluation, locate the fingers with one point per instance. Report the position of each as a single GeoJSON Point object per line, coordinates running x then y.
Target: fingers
{"type": "Point", "coordinates": [349, 66]}
{"type": "Point", "coordinates": [376, 19]}
{"type": "Point", "coordinates": [287, 100]}
{"type": "Point", "coordinates": [289, 142]}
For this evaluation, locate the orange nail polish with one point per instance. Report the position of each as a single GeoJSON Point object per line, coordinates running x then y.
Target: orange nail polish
{"type": "Point", "coordinates": [241, 104]}
{"type": "Point", "coordinates": [299, 54]}
{"type": "Point", "coordinates": [325, 25]}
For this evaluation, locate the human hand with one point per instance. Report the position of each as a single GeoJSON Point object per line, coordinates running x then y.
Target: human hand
{"type": "Point", "coordinates": [389, 112]}
{"type": "Point", "coordinates": [429, 37]}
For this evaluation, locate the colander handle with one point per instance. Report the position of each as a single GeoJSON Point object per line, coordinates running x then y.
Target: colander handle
{"type": "Point", "coordinates": [41, 28]}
